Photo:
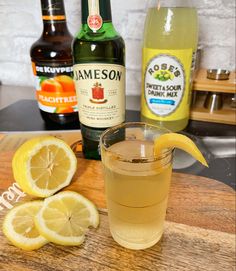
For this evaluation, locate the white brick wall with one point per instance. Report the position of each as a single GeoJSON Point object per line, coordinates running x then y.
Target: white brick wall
{"type": "Point", "coordinates": [20, 24]}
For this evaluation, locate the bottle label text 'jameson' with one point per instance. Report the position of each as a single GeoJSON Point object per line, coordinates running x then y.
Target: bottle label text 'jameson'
{"type": "Point", "coordinates": [98, 74]}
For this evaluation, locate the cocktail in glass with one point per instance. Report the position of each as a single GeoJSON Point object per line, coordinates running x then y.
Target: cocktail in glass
{"type": "Point", "coordinates": [136, 182]}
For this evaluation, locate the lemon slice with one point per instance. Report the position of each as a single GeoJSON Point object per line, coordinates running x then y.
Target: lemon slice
{"type": "Point", "coordinates": [174, 140]}
{"type": "Point", "coordinates": [65, 218]}
{"type": "Point", "coordinates": [43, 165]}
{"type": "Point", "coordinates": [19, 226]}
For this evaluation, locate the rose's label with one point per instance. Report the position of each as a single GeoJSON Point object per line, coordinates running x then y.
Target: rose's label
{"type": "Point", "coordinates": [166, 84]}
{"type": "Point", "coordinates": [94, 19]}
{"type": "Point", "coordinates": [55, 88]}
{"type": "Point", "coordinates": [101, 92]}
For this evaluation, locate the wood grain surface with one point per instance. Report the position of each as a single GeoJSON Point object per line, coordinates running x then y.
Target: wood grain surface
{"type": "Point", "coordinates": [181, 248]}
{"type": "Point", "coordinates": [199, 232]}
{"type": "Point", "coordinates": [193, 200]}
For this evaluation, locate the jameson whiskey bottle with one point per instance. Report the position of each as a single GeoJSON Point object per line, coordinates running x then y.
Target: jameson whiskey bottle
{"type": "Point", "coordinates": [52, 64]}
{"type": "Point", "coordinates": [99, 74]}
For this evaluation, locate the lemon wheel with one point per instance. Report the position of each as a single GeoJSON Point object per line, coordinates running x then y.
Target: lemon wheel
{"type": "Point", "coordinates": [19, 226]}
{"type": "Point", "coordinates": [65, 218]}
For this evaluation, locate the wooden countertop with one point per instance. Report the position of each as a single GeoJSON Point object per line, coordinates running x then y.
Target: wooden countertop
{"type": "Point", "coordinates": [199, 231]}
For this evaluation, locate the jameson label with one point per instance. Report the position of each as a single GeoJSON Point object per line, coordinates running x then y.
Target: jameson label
{"type": "Point", "coordinates": [101, 92]}
{"type": "Point", "coordinates": [55, 88]}
{"type": "Point", "coordinates": [166, 83]}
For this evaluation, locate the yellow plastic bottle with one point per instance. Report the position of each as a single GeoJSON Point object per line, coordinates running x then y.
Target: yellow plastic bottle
{"type": "Point", "coordinates": [169, 49]}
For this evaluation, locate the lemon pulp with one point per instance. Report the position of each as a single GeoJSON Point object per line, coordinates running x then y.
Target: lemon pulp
{"type": "Point", "coordinates": [65, 217]}
{"type": "Point", "coordinates": [44, 165]}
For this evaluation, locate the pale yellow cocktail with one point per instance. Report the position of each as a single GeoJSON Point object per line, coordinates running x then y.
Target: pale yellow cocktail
{"type": "Point", "coordinates": [137, 185]}
{"type": "Point", "coordinates": [137, 161]}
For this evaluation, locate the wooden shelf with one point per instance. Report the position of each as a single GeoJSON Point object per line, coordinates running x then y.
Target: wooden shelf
{"type": "Point", "coordinates": [225, 116]}
{"type": "Point", "coordinates": [201, 83]}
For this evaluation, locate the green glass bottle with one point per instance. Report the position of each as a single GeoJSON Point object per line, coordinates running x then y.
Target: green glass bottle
{"type": "Point", "coordinates": [99, 74]}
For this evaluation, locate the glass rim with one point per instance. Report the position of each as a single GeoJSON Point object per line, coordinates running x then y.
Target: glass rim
{"type": "Point", "coordinates": [149, 158]}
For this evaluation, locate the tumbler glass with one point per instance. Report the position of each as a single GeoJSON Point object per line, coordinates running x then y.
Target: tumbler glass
{"type": "Point", "coordinates": [136, 183]}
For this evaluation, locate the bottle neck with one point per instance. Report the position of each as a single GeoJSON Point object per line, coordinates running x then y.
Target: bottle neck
{"type": "Point", "coordinates": [54, 17]}
{"type": "Point", "coordinates": [95, 13]}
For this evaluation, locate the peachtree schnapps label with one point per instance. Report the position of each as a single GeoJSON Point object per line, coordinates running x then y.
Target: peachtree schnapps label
{"type": "Point", "coordinates": [55, 88]}
{"type": "Point", "coordinates": [165, 88]}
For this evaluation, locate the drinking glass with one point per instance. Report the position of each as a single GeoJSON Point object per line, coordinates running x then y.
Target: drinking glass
{"type": "Point", "coordinates": [136, 183]}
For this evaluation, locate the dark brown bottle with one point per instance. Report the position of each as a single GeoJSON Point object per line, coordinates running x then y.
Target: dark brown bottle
{"type": "Point", "coordinates": [53, 67]}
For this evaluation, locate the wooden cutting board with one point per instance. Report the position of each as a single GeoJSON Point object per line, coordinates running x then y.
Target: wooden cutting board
{"type": "Point", "coordinates": [199, 232]}
{"type": "Point", "coordinates": [181, 248]}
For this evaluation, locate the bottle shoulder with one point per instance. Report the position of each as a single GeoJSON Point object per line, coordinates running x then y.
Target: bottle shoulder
{"type": "Point", "coordinates": [52, 48]}
{"type": "Point", "coordinates": [100, 51]}
{"type": "Point", "coordinates": [107, 32]}
{"type": "Point", "coordinates": [116, 41]}
{"type": "Point", "coordinates": [174, 28]}
{"type": "Point", "coordinates": [57, 41]}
